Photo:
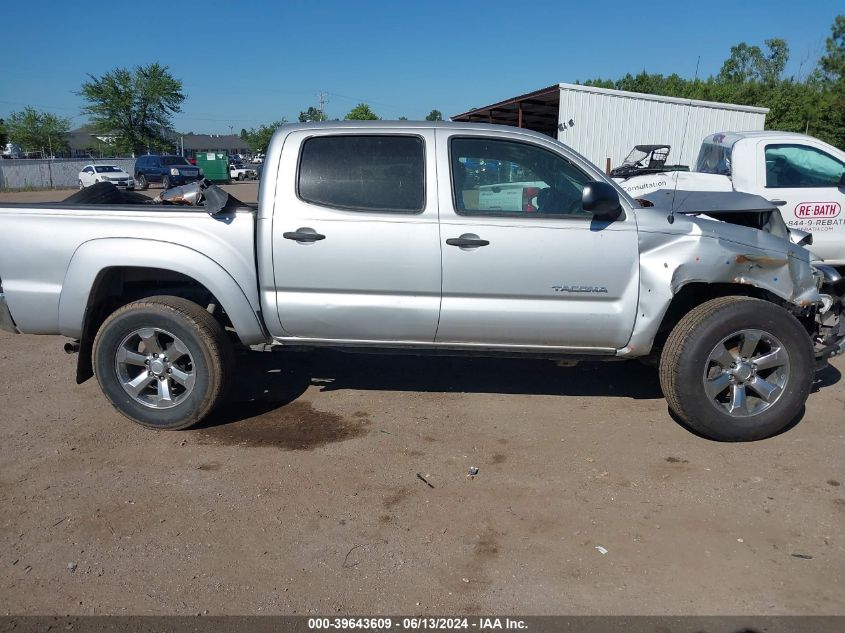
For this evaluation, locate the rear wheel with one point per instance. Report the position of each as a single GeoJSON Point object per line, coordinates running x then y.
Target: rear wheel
{"type": "Point", "coordinates": [737, 369]}
{"type": "Point", "coordinates": [162, 362]}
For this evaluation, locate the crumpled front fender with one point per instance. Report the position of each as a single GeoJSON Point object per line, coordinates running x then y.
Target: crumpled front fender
{"type": "Point", "coordinates": [670, 261]}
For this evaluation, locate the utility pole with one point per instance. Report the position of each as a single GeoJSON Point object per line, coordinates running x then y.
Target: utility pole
{"type": "Point", "coordinates": [322, 99]}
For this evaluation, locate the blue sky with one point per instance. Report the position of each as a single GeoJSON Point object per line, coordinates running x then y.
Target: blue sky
{"type": "Point", "coordinates": [246, 63]}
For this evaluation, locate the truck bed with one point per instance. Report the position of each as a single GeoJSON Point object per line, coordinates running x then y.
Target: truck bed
{"type": "Point", "coordinates": [43, 249]}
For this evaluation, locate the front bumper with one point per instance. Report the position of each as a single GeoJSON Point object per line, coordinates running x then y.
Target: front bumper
{"type": "Point", "coordinates": [123, 184]}
{"type": "Point", "coordinates": [6, 321]}
{"type": "Point", "coordinates": [183, 179]}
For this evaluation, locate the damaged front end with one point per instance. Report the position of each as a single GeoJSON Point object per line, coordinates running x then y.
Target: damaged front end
{"type": "Point", "coordinates": [738, 243]}
{"type": "Point", "coordinates": [830, 334]}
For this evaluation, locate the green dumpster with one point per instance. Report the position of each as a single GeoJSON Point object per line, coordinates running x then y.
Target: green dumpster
{"type": "Point", "coordinates": [215, 165]}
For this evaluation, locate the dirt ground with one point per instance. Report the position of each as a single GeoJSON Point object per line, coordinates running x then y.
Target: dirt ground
{"type": "Point", "coordinates": [337, 483]}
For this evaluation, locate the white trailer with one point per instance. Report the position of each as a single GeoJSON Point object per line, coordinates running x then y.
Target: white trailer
{"type": "Point", "coordinates": [605, 124]}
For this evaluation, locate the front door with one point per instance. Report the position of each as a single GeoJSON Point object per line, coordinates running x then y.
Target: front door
{"type": "Point", "coordinates": [356, 251]}
{"type": "Point", "coordinates": [808, 179]}
{"type": "Point", "coordinates": [523, 264]}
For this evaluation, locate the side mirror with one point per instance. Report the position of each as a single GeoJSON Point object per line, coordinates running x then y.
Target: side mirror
{"type": "Point", "coordinates": [601, 199]}
{"type": "Point", "coordinates": [842, 180]}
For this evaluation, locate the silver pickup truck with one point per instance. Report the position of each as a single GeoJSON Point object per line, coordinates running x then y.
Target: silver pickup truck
{"type": "Point", "coordinates": [373, 235]}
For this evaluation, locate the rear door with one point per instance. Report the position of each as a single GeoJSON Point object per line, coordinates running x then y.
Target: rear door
{"type": "Point", "coordinates": [523, 264]}
{"type": "Point", "coordinates": [155, 172]}
{"type": "Point", "coordinates": [355, 236]}
{"type": "Point", "coordinates": [807, 176]}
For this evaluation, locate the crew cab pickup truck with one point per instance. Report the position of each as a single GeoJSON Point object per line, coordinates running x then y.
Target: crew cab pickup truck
{"type": "Point", "coordinates": [801, 174]}
{"type": "Point", "coordinates": [372, 236]}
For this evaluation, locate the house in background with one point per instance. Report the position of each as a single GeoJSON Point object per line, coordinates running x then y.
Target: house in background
{"type": "Point", "coordinates": [196, 143]}
{"type": "Point", "coordinates": [85, 142]}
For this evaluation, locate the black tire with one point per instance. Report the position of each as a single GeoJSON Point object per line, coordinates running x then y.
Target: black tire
{"type": "Point", "coordinates": [81, 186]}
{"type": "Point", "coordinates": [687, 356]}
{"type": "Point", "coordinates": [165, 182]}
{"type": "Point", "coordinates": [208, 350]}
{"type": "Point", "coordinates": [143, 185]}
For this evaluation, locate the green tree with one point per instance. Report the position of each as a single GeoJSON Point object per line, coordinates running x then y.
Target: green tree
{"type": "Point", "coordinates": [259, 137]}
{"type": "Point", "coordinates": [361, 112]}
{"type": "Point", "coordinates": [4, 137]}
{"type": "Point", "coordinates": [832, 63]}
{"type": "Point", "coordinates": [312, 115]}
{"type": "Point", "coordinates": [750, 63]}
{"type": "Point", "coordinates": [434, 115]}
{"type": "Point", "coordinates": [37, 131]}
{"type": "Point", "coordinates": [135, 107]}
{"type": "Point", "coordinates": [755, 76]}
{"type": "Point", "coordinates": [831, 78]}
{"type": "Point", "coordinates": [403, 118]}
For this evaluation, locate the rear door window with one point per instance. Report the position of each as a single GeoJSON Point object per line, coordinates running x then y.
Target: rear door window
{"type": "Point", "coordinates": [377, 173]}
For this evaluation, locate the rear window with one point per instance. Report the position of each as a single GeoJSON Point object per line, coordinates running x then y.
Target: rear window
{"type": "Point", "coordinates": [364, 172]}
{"type": "Point", "coordinates": [714, 159]}
{"type": "Point", "coordinates": [173, 160]}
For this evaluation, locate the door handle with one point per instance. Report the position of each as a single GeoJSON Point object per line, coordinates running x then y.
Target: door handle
{"type": "Point", "coordinates": [778, 203]}
{"type": "Point", "coordinates": [464, 241]}
{"type": "Point", "coordinates": [304, 234]}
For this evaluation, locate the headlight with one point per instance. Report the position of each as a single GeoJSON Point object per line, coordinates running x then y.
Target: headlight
{"type": "Point", "coordinates": [174, 171]}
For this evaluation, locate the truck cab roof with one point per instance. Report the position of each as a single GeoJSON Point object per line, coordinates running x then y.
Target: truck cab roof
{"type": "Point", "coordinates": [729, 138]}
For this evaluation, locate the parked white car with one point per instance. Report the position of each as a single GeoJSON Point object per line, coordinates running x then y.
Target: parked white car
{"type": "Point", "coordinates": [237, 171]}
{"type": "Point", "coordinates": [92, 174]}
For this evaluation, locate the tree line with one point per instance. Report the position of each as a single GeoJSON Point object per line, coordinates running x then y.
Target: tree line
{"type": "Point", "coordinates": [812, 104]}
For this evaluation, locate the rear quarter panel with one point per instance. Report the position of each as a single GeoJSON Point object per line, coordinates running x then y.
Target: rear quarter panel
{"type": "Point", "coordinates": [39, 245]}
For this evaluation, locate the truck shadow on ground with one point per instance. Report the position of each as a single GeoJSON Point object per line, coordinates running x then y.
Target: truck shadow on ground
{"type": "Point", "coordinates": [269, 380]}
{"type": "Point", "coordinates": [261, 408]}
{"type": "Point", "coordinates": [450, 374]}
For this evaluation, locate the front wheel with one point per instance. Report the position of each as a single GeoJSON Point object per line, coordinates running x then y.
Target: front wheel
{"type": "Point", "coordinates": [142, 182]}
{"type": "Point", "coordinates": [81, 186]}
{"type": "Point", "coordinates": [165, 182]}
{"type": "Point", "coordinates": [162, 362]}
{"type": "Point", "coordinates": [737, 369]}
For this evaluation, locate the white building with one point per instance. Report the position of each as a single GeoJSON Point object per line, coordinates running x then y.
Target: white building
{"type": "Point", "coordinates": [605, 124]}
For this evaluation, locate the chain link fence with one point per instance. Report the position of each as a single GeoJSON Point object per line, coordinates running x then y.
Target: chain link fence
{"type": "Point", "coordinates": [58, 173]}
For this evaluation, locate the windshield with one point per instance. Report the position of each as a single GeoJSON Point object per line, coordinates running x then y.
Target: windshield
{"type": "Point", "coordinates": [106, 169]}
{"type": "Point", "coordinates": [714, 159]}
{"type": "Point", "coordinates": [173, 160]}
{"type": "Point", "coordinates": [635, 158]}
